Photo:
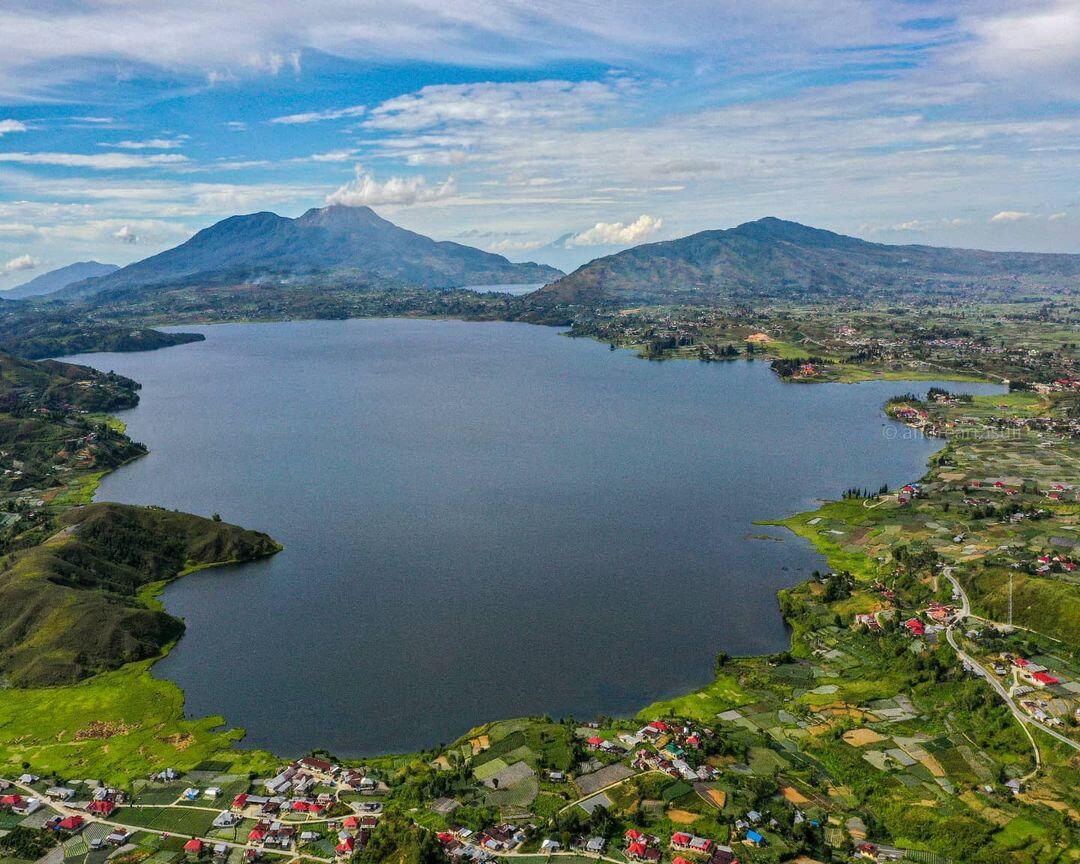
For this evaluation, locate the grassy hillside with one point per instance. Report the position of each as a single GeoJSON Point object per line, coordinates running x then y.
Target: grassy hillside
{"type": "Point", "coordinates": [70, 607]}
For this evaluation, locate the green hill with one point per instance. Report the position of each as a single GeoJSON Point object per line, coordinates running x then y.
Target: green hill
{"type": "Point", "coordinates": [71, 606]}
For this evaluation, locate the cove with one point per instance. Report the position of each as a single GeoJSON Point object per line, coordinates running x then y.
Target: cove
{"type": "Point", "coordinates": [480, 520]}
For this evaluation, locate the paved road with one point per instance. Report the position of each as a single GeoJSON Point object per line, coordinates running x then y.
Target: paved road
{"type": "Point", "coordinates": [1018, 713]}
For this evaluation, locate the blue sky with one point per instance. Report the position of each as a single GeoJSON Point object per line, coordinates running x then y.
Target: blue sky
{"type": "Point", "coordinates": [126, 125]}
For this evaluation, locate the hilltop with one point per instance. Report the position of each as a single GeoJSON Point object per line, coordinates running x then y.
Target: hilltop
{"type": "Point", "coordinates": [772, 259]}
{"type": "Point", "coordinates": [71, 606]}
{"type": "Point", "coordinates": [54, 280]}
{"type": "Point", "coordinates": [332, 242]}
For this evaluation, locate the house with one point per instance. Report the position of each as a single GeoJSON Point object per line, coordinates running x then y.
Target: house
{"type": "Point", "coordinates": [221, 851]}
{"type": "Point", "coordinates": [915, 626]}
{"type": "Point", "coordinates": [346, 846]}
{"type": "Point", "coordinates": [753, 838]}
{"type": "Point", "coordinates": [193, 847]}
{"type": "Point", "coordinates": [102, 807]}
{"type": "Point", "coordinates": [596, 845]}
{"type": "Point", "coordinates": [319, 765]}
{"type": "Point", "coordinates": [71, 824]}
{"type": "Point", "coordinates": [225, 819]}
{"type": "Point", "coordinates": [723, 855]}
{"type": "Point", "coordinates": [118, 837]}
{"type": "Point", "coordinates": [1042, 679]}
{"type": "Point", "coordinates": [595, 743]}
{"type": "Point", "coordinates": [26, 806]}
{"type": "Point", "coordinates": [211, 792]}
{"type": "Point", "coordinates": [549, 846]}
{"type": "Point", "coordinates": [59, 793]}
{"type": "Point", "coordinates": [866, 850]}
{"type": "Point", "coordinates": [9, 802]}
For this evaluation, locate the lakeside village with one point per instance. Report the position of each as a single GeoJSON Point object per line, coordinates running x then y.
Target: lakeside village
{"type": "Point", "coordinates": [1023, 346]}
{"type": "Point", "coordinates": [317, 810]}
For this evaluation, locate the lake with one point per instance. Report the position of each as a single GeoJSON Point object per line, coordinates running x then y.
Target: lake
{"type": "Point", "coordinates": [480, 520]}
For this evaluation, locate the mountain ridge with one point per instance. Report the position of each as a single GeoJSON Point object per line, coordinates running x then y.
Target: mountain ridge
{"type": "Point", "coordinates": [58, 279]}
{"type": "Point", "coordinates": [772, 259]}
{"type": "Point", "coordinates": [323, 241]}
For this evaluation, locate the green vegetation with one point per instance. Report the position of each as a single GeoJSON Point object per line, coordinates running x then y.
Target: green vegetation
{"type": "Point", "coordinates": [116, 726]}
{"type": "Point", "coordinates": [70, 606]}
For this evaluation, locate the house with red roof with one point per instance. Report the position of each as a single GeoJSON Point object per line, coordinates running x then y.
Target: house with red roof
{"type": "Point", "coordinates": [1044, 679]}
{"type": "Point", "coordinates": [194, 846]}
{"type": "Point", "coordinates": [102, 808]}
{"type": "Point", "coordinates": [71, 823]}
{"type": "Point", "coordinates": [915, 626]}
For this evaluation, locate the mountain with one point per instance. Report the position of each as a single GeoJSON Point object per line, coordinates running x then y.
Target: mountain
{"type": "Point", "coordinates": [54, 280]}
{"type": "Point", "coordinates": [779, 260]}
{"type": "Point", "coordinates": [335, 240]}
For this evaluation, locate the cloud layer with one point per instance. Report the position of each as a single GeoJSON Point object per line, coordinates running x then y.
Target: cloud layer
{"type": "Point", "coordinates": [618, 234]}
{"type": "Point", "coordinates": [365, 190]}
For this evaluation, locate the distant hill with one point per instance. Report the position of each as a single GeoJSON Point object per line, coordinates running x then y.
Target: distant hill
{"type": "Point", "coordinates": [772, 259]}
{"type": "Point", "coordinates": [332, 241]}
{"type": "Point", "coordinates": [54, 280]}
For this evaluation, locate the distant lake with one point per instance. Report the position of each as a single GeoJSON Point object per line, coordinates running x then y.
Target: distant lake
{"type": "Point", "coordinates": [515, 290]}
{"type": "Point", "coordinates": [480, 520]}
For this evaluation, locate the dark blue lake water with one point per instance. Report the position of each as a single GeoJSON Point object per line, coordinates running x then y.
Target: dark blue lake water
{"type": "Point", "coordinates": [480, 520]}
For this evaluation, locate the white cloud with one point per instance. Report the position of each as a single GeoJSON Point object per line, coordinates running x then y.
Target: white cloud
{"type": "Point", "coordinates": [9, 125]}
{"type": "Point", "coordinates": [125, 234]}
{"type": "Point", "coordinates": [1011, 216]}
{"type": "Point", "coordinates": [617, 233]}
{"type": "Point", "coordinates": [364, 189]}
{"type": "Point", "coordinates": [150, 144]}
{"type": "Point", "coordinates": [496, 104]}
{"type": "Point", "coordinates": [1057, 217]}
{"type": "Point", "coordinates": [23, 262]}
{"type": "Point", "coordinates": [96, 161]}
{"type": "Point", "coordinates": [514, 245]}
{"type": "Point", "coordinates": [333, 156]}
{"type": "Point", "coordinates": [319, 116]}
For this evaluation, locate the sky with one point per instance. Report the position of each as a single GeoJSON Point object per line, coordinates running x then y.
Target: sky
{"type": "Point", "coordinates": [544, 130]}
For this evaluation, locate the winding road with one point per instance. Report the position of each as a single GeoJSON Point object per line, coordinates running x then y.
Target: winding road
{"type": "Point", "coordinates": [999, 688]}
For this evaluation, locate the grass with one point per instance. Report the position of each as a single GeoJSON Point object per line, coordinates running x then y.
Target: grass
{"type": "Point", "coordinates": [116, 726]}
{"type": "Point", "coordinates": [114, 423]}
{"type": "Point", "coordinates": [80, 491]}
{"type": "Point", "coordinates": [704, 704]}
{"type": "Point", "coordinates": [175, 820]}
{"type": "Point", "coordinates": [835, 515]}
